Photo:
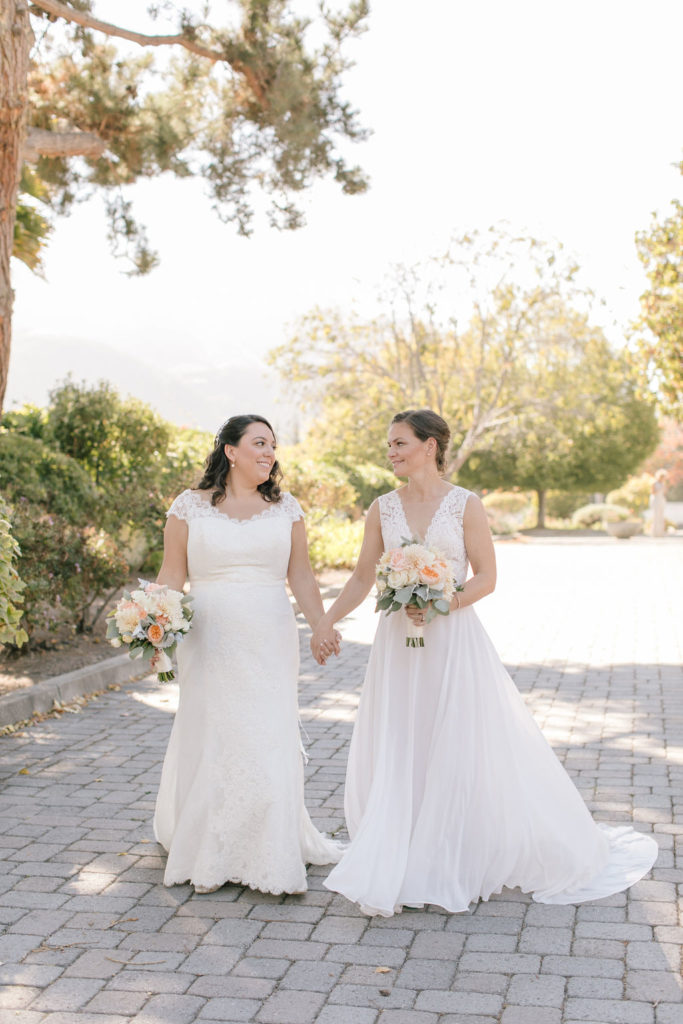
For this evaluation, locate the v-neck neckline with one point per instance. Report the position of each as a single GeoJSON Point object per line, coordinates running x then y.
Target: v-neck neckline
{"type": "Point", "coordinates": [413, 533]}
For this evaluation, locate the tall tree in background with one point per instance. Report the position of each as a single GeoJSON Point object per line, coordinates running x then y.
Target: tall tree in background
{"type": "Point", "coordinates": [582, 426]}
{"type": "Point", "coordinates": [457, 335]}
{"type": "Point", "coordinates": [660, 340]}
{"type": "Point", "coordinates": [252, 105]}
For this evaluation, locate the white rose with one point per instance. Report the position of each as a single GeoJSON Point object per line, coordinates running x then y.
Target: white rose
{"type": "Point", "coordinates": [398, 578]}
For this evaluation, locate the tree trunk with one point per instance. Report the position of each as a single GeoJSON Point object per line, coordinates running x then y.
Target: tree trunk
{"type": "Point", "coordinates": [16, 38]}
{"type": "Point", "coordinates": [540, 522]}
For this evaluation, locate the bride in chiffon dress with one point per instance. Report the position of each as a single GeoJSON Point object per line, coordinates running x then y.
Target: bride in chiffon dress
{"type": "Point", "coordinates": [230, 806]}
{"type": "Point", "coordinates": [452, 792]}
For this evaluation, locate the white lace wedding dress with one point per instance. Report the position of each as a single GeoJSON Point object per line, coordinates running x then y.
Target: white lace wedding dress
{"type": "Point", "coordinates": [452, 792]}
{"type": "Point", "coordinates": [230, 806]}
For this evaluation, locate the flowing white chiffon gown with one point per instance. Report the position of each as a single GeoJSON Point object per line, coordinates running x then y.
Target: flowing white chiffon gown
{"type": "Point", "coordinates": [452, 792]}
{"type": "Point", "coordinates": [230, 806]}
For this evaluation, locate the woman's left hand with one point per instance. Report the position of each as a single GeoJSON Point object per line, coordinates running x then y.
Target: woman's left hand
{"type": "Point", "coordinates": [417, 615]}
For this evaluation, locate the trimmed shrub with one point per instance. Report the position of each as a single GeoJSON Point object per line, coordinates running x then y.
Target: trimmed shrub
{"type": "Point", "coordinates": [599, 512]}
{"type": "Point", "coordinates": [45, 477]}
{"type": "Point", "coordinates": [507, 502]}
{"type": "Point", "coordinates": [11, 585]}
{"type": "Point", "coordinates": [563, 504]}
{"type": "Point", "coordinates": [68, 571]}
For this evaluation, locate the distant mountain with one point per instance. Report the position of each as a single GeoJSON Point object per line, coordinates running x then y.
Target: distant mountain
{"type": "Point", "coordinates": [191, 395]}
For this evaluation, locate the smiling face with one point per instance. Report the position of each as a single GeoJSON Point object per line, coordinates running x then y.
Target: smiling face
{"type": "Point", "coordinates": [254, 456]}
{"type": "Point", "coordinates": [407, 453]}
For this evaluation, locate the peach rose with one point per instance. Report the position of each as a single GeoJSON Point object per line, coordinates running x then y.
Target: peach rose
{"type": "Point", "coordinates": [430, 574]}
{"type": "Point", "coordinates": [155, 633]}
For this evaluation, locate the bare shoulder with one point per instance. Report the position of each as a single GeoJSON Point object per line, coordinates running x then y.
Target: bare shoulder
{"type": "Point", "coordinates": [373, 513]}
{"type": "Point", "coordinates": [474, 506]}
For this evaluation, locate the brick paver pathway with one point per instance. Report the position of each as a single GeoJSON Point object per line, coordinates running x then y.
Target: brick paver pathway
{"type": "Point", "coordinates": [592, 635]}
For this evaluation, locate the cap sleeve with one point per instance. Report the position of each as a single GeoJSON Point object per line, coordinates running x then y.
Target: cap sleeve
{"type": "Point", "coordinates": [292, 507]}
{"type": "Point", "coordinates": [182, 507]}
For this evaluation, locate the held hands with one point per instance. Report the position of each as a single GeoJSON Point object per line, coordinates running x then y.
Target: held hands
{"type": "Point", "coordinates": [325, 640]}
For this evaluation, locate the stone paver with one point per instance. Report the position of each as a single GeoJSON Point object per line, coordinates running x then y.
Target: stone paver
{"type": "Point", "coordinates": [89, 935]}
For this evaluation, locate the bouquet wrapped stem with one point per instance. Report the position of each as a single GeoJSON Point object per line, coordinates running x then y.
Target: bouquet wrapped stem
{"type": "Point", "coordinates": [417, 575]}
{"type": "Point", "coordinates": [151, 621]}
{"type": "Point", "coordinates": [414, 634]}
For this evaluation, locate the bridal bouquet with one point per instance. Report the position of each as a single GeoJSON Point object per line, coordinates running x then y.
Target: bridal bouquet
{"type": "Point", "coordinates": [151, 621]}
{"type": "Point", "coordinates": [415, 575]}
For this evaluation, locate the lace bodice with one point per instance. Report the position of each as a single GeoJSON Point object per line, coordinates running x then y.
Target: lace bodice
{"type": "Point", "coordinates": [227, 550]}
{"type": "Point", "coordinates": [444, 532]}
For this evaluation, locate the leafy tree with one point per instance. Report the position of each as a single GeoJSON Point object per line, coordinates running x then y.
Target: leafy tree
{"type": "Point", "coordinates": [583, 426]}
{"type": "Point", "coordinates": [660, 345]}
{"type": "Point", "coordinates": [250, 104]}
{"type": "Point", "coordinates": [456, 335]}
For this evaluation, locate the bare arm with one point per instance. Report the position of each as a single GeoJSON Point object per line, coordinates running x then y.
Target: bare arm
{"type": "Point", "coordinates": [173, 570]}
{"type": "Point", "coordinates": [300, 576]}
{"type": "Point", "coordinates": [360, 582]}
{"type": "Point", "coordinates": [481, 553]}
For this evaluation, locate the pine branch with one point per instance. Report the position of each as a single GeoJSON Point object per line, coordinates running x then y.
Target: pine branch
{"type": "Point", "coordinates": [61, 10]}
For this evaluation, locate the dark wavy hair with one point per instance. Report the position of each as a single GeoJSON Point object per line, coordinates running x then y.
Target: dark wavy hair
{"type": "Point", "coordinates": [425, 423]}
{"type": "Point", "coordinates": [217, 465]}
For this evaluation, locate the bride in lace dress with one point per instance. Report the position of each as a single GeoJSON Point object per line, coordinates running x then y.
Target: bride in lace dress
{"type": "Point", "coordinates": [452, 792]}
{"type": "Point", "coordinates": [230, 806]}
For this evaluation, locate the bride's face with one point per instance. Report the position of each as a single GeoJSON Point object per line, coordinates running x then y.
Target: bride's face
{"type": "Point", "coordinates": [254, 456]}
{"type": "Point", "coordinates": [407, 453]}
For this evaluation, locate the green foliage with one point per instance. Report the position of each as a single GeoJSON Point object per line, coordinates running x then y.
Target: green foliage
{"type": "Point", "coordinates": [119, 441]}
{"type": "Point", "coordinates": [660, 327]}
{"type": "Point", "coordinates": [30, 420]}
{"type": "Point", "coordinates": [508, 511]}
{"type": "Point", "coordinates": [635, 493]}
{"type": "Point", "coordinates": [562, 504]}
{"type": "Point", "coordinates": [470, 361]}
{"type": "Point", "coordinates": [599, 512]}
{"type": "Point", "coordinates": [507, 502]}
{"type": "Point", "coordinates": [334, 542]}
{"type": "Point", "coordinates": [66, 568]}
{"type": "Point", "coordinates": [11, 585]}
{"type": "Point", "coordinates": [90, 479]}
{"type": "Point", "coordinates": [582, 427]}
{"type": "Point", "coordinates": [31, 228]}
{"type": "Point", "coordinates": [255, 106]}
{"type": "Point", "coordinates": [33, 473]}
{"type": "Point", "coordinates": [317, 485]}
{"type": "Point", "coordinates": [183, 458]}
{"type": "Point", "coordinates": [368, 480]}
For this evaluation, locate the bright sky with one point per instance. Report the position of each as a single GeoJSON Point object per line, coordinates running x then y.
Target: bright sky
{"type": "Point", "coordinates": [559, 117]}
